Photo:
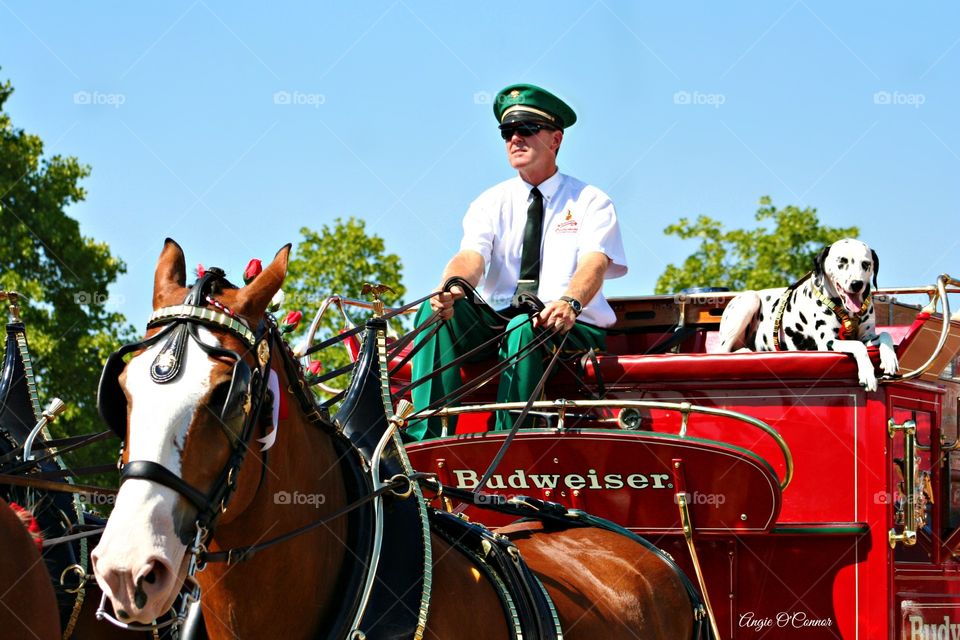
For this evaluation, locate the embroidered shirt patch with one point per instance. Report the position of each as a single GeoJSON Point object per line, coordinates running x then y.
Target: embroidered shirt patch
{"type": "Point", "coordinates": [567, 225]}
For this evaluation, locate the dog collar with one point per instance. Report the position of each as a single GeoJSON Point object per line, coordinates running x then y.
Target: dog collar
{"type": "Point", "coordinates": [849, 325]}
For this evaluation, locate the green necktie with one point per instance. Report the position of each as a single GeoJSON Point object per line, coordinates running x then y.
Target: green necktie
{"type": "Point", "coordinates": [530, 256]}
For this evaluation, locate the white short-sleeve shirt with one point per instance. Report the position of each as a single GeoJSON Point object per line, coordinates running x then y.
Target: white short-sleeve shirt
{"type": "Point", "coordinates": [577, 219]}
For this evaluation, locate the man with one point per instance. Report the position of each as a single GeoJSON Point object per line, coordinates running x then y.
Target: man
{"type": "Point", "coordinates": [541, 232]}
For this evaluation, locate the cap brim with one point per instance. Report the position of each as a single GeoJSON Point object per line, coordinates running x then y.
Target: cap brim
{"type": "Point", "coordinates": [518, 115]}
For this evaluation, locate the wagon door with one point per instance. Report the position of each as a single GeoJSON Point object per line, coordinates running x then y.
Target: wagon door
{"type": "Point", "coordinates": [922, 513]}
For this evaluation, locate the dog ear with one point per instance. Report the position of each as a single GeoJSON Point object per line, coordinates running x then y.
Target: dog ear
{"type": "Point", "coordinates": [818, 263]}
{"type": "Point", "coordinates": [876, 267]}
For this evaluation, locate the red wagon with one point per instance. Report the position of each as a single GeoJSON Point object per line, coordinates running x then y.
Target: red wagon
{"type": "Point", "coordinates": [813, 508]}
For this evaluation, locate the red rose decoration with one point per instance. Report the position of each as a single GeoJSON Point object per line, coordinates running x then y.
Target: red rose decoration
{"type": "Point", "coordinates": [313, 372]}
{"type": "Point", "coordinates": [30, 524]}
{"type": "Point", "coordinates": [254, 267]}
{"type": "Point", "coordinates": [290, 322]}
{"type": "Point", "coordinates": [200, 271]}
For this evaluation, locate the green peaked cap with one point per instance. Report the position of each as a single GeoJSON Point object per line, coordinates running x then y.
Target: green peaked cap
{"type": "Point", "coordinates": [527, 102]}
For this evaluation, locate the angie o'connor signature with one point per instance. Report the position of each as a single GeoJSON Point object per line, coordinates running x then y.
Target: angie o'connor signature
{"type": "Point", "coordinates": [783, 619]}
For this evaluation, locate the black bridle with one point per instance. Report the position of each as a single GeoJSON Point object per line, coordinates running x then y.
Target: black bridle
{"type": "Point", "coordinates": [242, 402]}
{"type": "Point", "coordinates": [245, 402]}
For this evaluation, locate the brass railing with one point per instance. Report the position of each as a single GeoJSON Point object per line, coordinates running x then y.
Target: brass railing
{"type": "Point", "coordinates": [939, 292]}
{"type": "Point", "coordinates": [341, 305]}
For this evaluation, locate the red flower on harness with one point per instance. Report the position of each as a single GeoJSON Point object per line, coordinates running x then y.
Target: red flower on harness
{"type": "Point", "coordinates": [313, 372]}
{"type": "Point", "coordinates": [200, 270]}
{"type": "Point", "coordinates": [254, 268]}
{"type": "Point", "coordinates": [291, 321]}
{"type": "Point", "coordinates": [30, 524]}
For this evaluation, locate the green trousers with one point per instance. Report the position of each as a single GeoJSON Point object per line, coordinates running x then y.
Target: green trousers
{"type": "Point", "coordinates": [472, 325]}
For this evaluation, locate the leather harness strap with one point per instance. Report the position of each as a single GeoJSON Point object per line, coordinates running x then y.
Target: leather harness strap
{"type": "Point", "coordinates": [526, 603]}
{"type": "Point", "coordinates": [550, 516]}
{"type": "Point", "coordinates": [781, 305]}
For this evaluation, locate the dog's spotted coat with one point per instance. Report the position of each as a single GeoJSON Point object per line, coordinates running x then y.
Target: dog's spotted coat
{"type": "Point", "coordinates": [843, 273]}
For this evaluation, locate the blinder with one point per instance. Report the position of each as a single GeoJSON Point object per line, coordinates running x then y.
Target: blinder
{"type": "Point", "coordinates": [112, 402]}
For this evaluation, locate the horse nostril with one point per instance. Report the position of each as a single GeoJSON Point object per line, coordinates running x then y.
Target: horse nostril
{"type": "Point", "coordinates": [150, 577]}
{"type": "Point", "coordinates": [140, 597]}
{"type": "Point", "coordinates": [856, 285]}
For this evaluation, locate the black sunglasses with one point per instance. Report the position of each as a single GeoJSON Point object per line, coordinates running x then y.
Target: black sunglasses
{"type": "Point", "coordinates": [523, 130]}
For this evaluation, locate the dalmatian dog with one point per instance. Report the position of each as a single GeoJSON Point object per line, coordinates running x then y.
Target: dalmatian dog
{"type": "Point", "coordinates": [830, 309]}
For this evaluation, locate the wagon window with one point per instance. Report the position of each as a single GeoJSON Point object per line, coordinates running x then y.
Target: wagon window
{"type": "Point", "coordinates": [951, 433]}
{"type": "Point", "coordinates": [952, 370]}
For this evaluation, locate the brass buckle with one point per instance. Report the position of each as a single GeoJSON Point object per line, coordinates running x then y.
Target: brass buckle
{"type": "Point", "coordinates": [81, 576]}
{"type": "Point", "coordinates": [405, 493]}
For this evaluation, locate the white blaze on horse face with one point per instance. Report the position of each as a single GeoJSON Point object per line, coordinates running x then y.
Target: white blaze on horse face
{"type": "Point", "coordinates": [142, 528]}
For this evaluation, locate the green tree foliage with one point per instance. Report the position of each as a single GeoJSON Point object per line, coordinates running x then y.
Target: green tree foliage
{"type": "Point", "coordinates": [62, 275]}
{"type": "Point", "coordinates": [338, 260]}
{"type": "Point", "coordinates": [750, 258]}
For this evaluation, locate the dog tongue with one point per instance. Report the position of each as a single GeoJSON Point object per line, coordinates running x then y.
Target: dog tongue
{"type": "Point", "coordinates": [851, 301]}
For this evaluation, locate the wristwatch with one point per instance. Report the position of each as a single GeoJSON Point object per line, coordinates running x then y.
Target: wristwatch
{"type": "Point", "coordinates": [574, 304]}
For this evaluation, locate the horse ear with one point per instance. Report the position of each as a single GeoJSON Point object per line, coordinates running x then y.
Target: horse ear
{"type": "Point", "coordinates": [876, 267]}
{"type": "Point", "coordinates": [171, 272]}
{"type": "Point", "coordinates": [252, 300]}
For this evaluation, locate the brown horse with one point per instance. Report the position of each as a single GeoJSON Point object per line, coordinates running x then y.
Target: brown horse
{"type": "Point", "coordinates": [604, 585]}
{"type": "Point", "coordinates": [28, 605]}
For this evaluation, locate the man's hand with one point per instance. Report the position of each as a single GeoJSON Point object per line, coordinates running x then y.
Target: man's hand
{"type": "Point", "coordinates": [556, 316]}
{"type": "Point", "coordinates": [466, 264]}
{"type": "Point", "coordinates": [444, 302]}
{"type": "Point", "coordinates": [584, 285]}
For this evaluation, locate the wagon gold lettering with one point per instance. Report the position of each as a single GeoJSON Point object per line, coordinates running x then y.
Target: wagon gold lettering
{"type": "Point", "coordinates": [521, 480]}
{"type": "Point", "coordinates": [921, 629]}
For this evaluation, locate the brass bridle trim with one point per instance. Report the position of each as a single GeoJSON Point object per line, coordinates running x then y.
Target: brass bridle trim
{"type": "Point", "coordinates": [204, 315]}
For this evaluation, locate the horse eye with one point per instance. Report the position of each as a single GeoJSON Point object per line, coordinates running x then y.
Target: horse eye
{"type": "Point", "coordinates": [866, 265]}
{"type": "Point", "coordinates": [218, 397]}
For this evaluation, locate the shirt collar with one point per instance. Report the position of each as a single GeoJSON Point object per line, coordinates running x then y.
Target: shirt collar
{"type": "Point", "coordinates": [548, 187]}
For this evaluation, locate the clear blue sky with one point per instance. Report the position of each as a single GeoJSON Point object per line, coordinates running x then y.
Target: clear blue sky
{"type": "Point", "coordinates": [685, 109]}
